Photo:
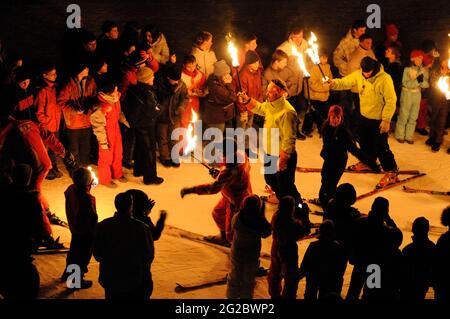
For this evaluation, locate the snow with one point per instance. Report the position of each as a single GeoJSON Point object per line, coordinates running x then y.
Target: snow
{"type": "Point", "coordinates": [179, 259]}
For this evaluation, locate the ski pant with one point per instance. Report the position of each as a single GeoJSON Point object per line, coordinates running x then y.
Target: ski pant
{"type": "Point", "coordinates": [346, 102]}
{"type": "Point", "coordinates": [332, 170]}
{"type": "Point", "coordinates": [298, 102]}
{"type": "Point", "coordinates": [241, 279]}
{"type": "Point", "coordinates": [439, 113]}
{"type": "Point", "coordinates": [110, 161]}
{"type": "Point", "coordinates": [355, 115]}
{"type": "Point", "coordinates": [375, 144]}
{"type": "Point", "coordinates": [245, 126]}
{"type": "Point", "coordinates": [223, 213]}
{"type": "Point", "coordinates": [19, 281]}
{"type": "Point", "coordinates": [128, 144]}
{"type": "Point", "coordinates": [165, 142]}
{"type": "Point", "coordinates": [282, 183]}
{"type": "Point", "coordinates": [283, 268]}
{"type": "Point", "coordinates": [80, 252]}
{"type": "Point", "coordinates": [423, 112]}
{"type": "Point", "coordinates": [407, 116]}
{"type": "Point", "coordinates": [80, 144]}
{"type": "Point", "coordinates": [145, 153]}
{"type": "Point", "coordinates": [144, 291]}
{"type": "Point", "coordinates": [314, 115]}
{"type": "Point", "coordinates": [357, 282]}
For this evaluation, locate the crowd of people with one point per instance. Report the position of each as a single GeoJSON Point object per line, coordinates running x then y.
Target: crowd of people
{"type": "Point", "coordinates": [116, 99]}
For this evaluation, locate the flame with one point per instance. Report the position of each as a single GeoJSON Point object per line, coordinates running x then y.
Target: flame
{"type": "Point", "coordinates": [313, 50]}
{"type": "Point", "coordinates": [443, 85]}
{"type": "Point", "coordinates": [300, 60]}
{"type": "Point", "coordinates": [191, 137]}
{"type": "Point", "coordinates": [232, 50]}
{"type": "Point", "coordinates": [94, 177]}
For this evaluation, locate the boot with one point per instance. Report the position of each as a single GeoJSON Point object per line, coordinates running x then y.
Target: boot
{"type": "Point", "coordinates": [388, 179]}
{"type": "Point", "coordinates": [70, 162]}
{"type": "Point", "coordinates": [51, 243]}
{"type": "Point", "coordinates": [360, 167]}
{"type": "Point", "coordinates": [51, 175]}
{"type": "Point", "coordinates": [55, 220]}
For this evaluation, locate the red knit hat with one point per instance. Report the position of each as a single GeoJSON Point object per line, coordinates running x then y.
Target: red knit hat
{"type": "Point", "coordinates": [335, 110]}
{"type": "Point", "coordinates": [416, 54]}
{"type": "Point", "coordinates": [391, 29]}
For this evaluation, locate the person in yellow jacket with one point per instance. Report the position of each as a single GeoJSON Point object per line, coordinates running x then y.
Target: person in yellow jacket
{"type": "Point", "coordinates": [378, 100]}
{"type": "Point", "coordinates": [280, 118]}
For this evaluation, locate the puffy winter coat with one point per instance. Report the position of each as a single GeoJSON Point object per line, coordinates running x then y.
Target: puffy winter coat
{"type": "Point", "coordinates": [77, 101]}
{"type": "Point", "coordinates": [251, 82]}
{"type": "Point", "coordinates": [160, 50]}
{"type": "Point", "coordinates": [172, 101]}
{"type": "Point", "coordinates": [287, 75]}
{"type": "Point", "coordinates": [377, 94]}
{"type": "Point", "coordinates": [48, 110]}
{"type": "Point", "coordinates": [205, 60]}
{"type": "Point", "coordinates": [81, 211]}
{"type": "Point", "coordinates": [354, 61]}
{"type": "Point", "coordinates": [341, 54]}
{"type": "Point", "coordinates": [140, 107]}
{"type": "Point", "coordinates": [319, 90]}
{"type": "Point", "coordinates": [220, 101]}
{"type": "Point", "coordinates": [296, 85]}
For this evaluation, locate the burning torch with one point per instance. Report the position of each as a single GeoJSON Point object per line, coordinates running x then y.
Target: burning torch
{"type": "Point", "coordinates": [313, 52]}
{"type": "Point", "coordinates": [443, 83]}
{"type": "Point", "coordinates": [232, 50]}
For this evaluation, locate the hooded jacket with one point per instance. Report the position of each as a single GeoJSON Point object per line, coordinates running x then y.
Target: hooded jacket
{"type": "Point", "coordinates": [377, 94]}
{"type": "Point", "coordinates": [220, 101]}
{"type": "Point", "coordinates": [48, 110]}
{"type": "Point", "coordinates": [140, 107]}
{"type": "Point", "coordinates": [173, 101]}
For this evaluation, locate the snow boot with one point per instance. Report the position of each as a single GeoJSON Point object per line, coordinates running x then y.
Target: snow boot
{"type": "Point", "coordinates": [359, 167]}
{"type": "Point", "coordinates": [388, 179]}
{"type": "Point", "coordinates": [51, 243]}
{"type": "Point", "coordinates": [70, 162]}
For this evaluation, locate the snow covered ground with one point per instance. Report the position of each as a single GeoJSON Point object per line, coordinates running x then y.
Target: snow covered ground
{"type": "Point", "coordinates": [179, 259]}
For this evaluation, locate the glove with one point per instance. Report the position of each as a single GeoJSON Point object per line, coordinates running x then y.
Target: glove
{"type": "Point", "coordinates": [244, 118]}
{"type": "Point", "coordinates": [187, 190]}
{"type": "Point", "coordinates": [214, 172]}
{"type": "Point", "coordinates": [162, 216]}
{"type": "Point", "coordinates": [385, 126]}
{"type": "Point", "coordinates": [150, 204]}
{"type": "Point", "coordinates": [420, 78]}
{"type": "Point", "coordinates": [282, 164]}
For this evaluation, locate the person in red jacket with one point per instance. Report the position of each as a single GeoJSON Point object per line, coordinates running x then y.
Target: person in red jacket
{"type": "Point", "coordinates": [49, 114]}
{"type": "Point", "coordinates": [233, 181]}
{"type": "Point", "coordinates": [105, 123]}
{"type": "Point", "coordinates": [82, 216]}
{"type": "Point", "coordinates": [77, 98]}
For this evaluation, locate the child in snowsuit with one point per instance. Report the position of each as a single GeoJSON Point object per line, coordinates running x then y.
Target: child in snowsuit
{"type": "Point", "coordinates": [415, 78]}
{"type": "Point", "coordinates": [286, 230]}
{"type": "Point", "coordinates": [337, 141]}
{"type": "Point", "coordinates": [105, 123]}
{"type": "Point", "coordinates": [323, 265]}
{"type": "Point", "coordinates": [248, 227]}
{"type": "Point", "coordinates": [82, 217]}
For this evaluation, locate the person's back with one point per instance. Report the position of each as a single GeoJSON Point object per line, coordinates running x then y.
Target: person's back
{"type": "Point", "coordinates": [442, 261]}
{"type": "Point", "coordinates": [123, 247]}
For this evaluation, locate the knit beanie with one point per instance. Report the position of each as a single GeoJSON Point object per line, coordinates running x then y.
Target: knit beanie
{"type": "Point", "coordinates": [251, 57]}
{"type": "Point", "coordinates": [173, 73]}
{"type": "Point", "coordinates": [221, 68]}
{"type": "Point", "coordinates": [368, 64]}
{"type": "Point", "coordinates": [144, 74]}
{"type": "Point", "coordinates": [391, 29]}
{"type": "Point", "coordinates": [416, 54]}
{"type": "Point", "coordinates": [22, 74]}
{"type": "Point", "coordinates": [136, 58]}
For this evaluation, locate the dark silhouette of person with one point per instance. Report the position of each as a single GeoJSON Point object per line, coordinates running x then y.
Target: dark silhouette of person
{"type": "Point", "coordinates": [287, 229]}
{"type": "Point", "coordinates": [343, 215]}
{"type": "Point", "coordinates": [142, 208]}
{"type": "Point", "coordinates": [323, 265]}
{"type": "Point", "coordinates": [124, 248]}
{"type": "Point", "coordinates": [418, 262]}
{"type": "Point", "coordinates": [442, 261]}
{"type": "Point", "coordinates": [370, 244]}
{"type": "Point", "coordinates": [19, 278]}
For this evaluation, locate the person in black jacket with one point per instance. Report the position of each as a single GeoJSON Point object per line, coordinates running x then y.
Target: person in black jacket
{"type": "Point", "coordinates": [337, 141]}
{"type": "Point", "coordinates": [142, 207]}
{"type": "Point", "coordinates": [442, 261]}
{"type": "Point", "coordinates": [418, 260]}
{"type": "Point", "coordinates": [141, 110]}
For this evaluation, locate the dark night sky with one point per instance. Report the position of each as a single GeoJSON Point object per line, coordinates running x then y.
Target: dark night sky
{"type": "Point", "coordinates": [36, 26]}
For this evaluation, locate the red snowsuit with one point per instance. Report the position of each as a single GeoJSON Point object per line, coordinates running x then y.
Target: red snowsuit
{"type": "Point", "coordinates": [194, 81]}
{"type": "Point", "coordinates": [234, 184]}
{"type": "Point", "coordinates": [106, 128]}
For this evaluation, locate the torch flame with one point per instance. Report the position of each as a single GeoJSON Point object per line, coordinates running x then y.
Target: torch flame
{"type": "Point", "coordinates": [313, 50]}
{"type": "Point", "coordinates": [443, 85]}
{"type": "Point", "coordinates": [94, 177]}
{"type": "Point", "coordinates": [300, 60]}
{"type": "Point", "coordinates": [232, 50]}
{"type": "Point", "coordinates": [191, 137]}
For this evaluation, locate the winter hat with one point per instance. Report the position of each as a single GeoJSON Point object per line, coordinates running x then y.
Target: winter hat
{"type": "Point", "coordinates": [281, 84]}
{"type": "Point", "coordinates": [82, 177]}
{"type": "Point", "coordinates": [173, 73]}
{"type": "Point", "coordinates": [97, 64]}
{"type": "Point", "coordinates": [346, 194]}
{"type": "Point", "coordinates": [87, 37]}
{"type": "Point", "coordinates": [22, 74]}
{"type": "Point", "coordinates": [251, 204]}
{"type": "Point", "coordinates": [251, 57]}
{"type": "Point", "coordinates": [427, 60]}
{"type": "Point", "coordinates": [368, 64]}
{"type": "Point", "coordinates": [144, 74]}
{"type": "Point", "coordinates": [416, 54]}
{"type": "Point", "coordinates": [136, 59]}
{"type": "Point", "coordinates": [391, 29]}
{"type": "Point", "coordinates": [221, 68]}
{"type": "Point", "coordinates": [428, 46]}
{"type": "Point", "coordinates": [335, 110]}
